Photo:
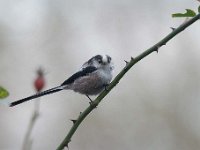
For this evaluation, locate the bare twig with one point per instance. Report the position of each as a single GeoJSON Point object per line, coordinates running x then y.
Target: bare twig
{"type": "Point", "coordinates": [132, 62]}
{"type": "Point", "coordinates": [38, 84]}
{"type": "Point", "coordinates": [27, 140]}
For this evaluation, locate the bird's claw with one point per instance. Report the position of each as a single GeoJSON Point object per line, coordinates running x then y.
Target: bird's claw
{"type": "Point", "coordinates": [106, 87]}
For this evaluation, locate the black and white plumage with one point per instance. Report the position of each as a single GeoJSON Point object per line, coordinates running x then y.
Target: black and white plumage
{"type": "Point", "coordinates": [94, 75]}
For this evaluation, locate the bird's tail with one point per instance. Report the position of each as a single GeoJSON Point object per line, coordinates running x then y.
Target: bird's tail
{"type": "Point", "coordinates": [50, 91]}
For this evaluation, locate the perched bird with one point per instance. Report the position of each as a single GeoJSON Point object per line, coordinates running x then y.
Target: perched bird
{"type": "Point", "coordinates": [94, 76]}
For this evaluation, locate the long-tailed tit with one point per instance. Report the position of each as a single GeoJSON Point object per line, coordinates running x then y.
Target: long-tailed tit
{"type": "Point", "coordinates": [94, 76]}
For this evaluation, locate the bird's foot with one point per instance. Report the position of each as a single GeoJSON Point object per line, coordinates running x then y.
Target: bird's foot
{"type": "Point", "coordinates": [106, 87]}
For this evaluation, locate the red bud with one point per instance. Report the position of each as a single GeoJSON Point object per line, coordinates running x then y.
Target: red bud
{"type": "Point", "coordinates": [40, 81]}
{"type": "Point", "coordinates": [39, 84]}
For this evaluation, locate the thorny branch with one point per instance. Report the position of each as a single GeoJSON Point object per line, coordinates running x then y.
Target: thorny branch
{"type": "Point", "coordinates": [129, 64]}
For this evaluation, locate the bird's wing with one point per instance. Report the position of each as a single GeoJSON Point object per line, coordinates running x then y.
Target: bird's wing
{"type": "Point", "coordinates": [81, 73]}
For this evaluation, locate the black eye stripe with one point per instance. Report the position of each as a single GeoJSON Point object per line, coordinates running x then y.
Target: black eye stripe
{"type": "Point", "coordinates": [109, 59]}
{"type": "Point", "coordinates": [98, 58]}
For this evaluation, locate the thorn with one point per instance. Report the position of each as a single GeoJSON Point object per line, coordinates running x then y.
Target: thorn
{"type": "Point", "coordinates": [67, 144]}
{"type": "Point", "coordinates": [156, 49]}
{"type": "Point", "coordinates": [73, 120]}
{"type": "Point", "coordinates": [126, 62]}
{"type": "Point", "coordinates": [132, 58]}
{"type": "Point", "coordinates": [93, 104]}
{"type": "Point", "coordinates": [173, 28]}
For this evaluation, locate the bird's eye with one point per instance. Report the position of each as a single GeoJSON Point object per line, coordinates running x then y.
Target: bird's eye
{"type": "Point", "coordinates": [99, 61]}
{"type": "Point", "coordinates": [109, 59]}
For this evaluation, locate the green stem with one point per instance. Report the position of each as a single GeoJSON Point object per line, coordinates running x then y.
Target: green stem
{"type": "Point", "coordinates": [132, 62]}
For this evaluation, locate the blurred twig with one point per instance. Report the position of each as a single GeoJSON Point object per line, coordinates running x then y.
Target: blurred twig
{"type": "Point", "coordinates": [38, 84]}
{"type": "Point", "coordinates": [27, 140]}
{"type": "Point", "coordinates": [129, 64]}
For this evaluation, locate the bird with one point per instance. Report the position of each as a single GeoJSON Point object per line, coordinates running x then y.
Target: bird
{"type": "Point", "coordinates": [93, 77]}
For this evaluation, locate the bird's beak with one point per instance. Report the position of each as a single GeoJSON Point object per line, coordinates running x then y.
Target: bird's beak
{"type": "Point", "coordinates": [105, 60]}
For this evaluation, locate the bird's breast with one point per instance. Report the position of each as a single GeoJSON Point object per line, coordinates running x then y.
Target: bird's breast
{"type": "Point", "coordinates": [92, 84]}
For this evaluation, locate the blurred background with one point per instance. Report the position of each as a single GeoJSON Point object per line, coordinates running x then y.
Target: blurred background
{"type": "Point", "coordinates": [154, 107]}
